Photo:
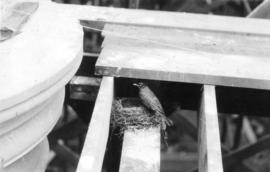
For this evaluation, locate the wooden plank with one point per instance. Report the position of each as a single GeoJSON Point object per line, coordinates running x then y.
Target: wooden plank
{"type": "Point", "coordinates": [96, 139]}
{"type": "Point", "coordinates": [141, 151]}
{"type": "Point", "coordinates": [189, 40]}
{"type": "Point", "coordinates": [187, 56]}
{"type": "Point", "coordinates": [85, 81]}
{"type": "Point", "coordinates": [87, 54]}
{"type": "Point", "coordinates": [210, 158]}
{"type": "Point", "coordinates": [232, 51]}
{"type": "Point", "coordinates": [261, 11]}
{"type": "Point", "coordinates": [164, 19]}
{"type": "Point", "coordinates": [84, 88]}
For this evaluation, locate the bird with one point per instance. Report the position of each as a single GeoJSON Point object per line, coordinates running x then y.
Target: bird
{"type": "Point", "coordinates": [151, 102]}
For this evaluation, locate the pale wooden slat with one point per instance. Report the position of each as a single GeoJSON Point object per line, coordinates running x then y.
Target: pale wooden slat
{"type": "Point", "coordinates": [85, 81]}
{"type": "Point", "coordinates": [93, 55]}
{"type": "Point", "coordinates": [141, 151]}
{"type": "Point", "coordinates": [165, 19]}
{"type": "Point", "coordinates": [261, 11]}
{"type": "Point", "coordinates": [210, 158]}
{"type": "Point", "coordinates": [209, 58]}
{"type": "Point", "coordinates": [191, 41]}
{"type": "Point", "coordinates": [96, 139]}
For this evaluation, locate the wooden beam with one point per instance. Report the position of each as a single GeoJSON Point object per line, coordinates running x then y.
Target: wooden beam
{"type": "Point", "coordinates": [164, 19]}
{"type": "Point", "coordinates": [87, 54]}
{"type": "Point", "coordinates": [85, 81]}
{"type": "Point", "coordinates": [141, 151]}
{"type": "Point", "coordinates": [84, 88]}
{"type": "Point", "coordinates": [185, 56]}
{"type": "Point", "coordinates": [261, 11]}
{"type": "Point", "coordinates": [96, 139]}
{"type": "Point", "coordinates": [210, 158]}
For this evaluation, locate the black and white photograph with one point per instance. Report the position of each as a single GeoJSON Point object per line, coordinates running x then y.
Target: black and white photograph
{"type": "Point", "coordinates": [134, 85]}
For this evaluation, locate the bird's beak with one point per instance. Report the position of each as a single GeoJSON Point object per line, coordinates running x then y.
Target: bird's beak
{"type": "Point", "coordinates": [135, 85]}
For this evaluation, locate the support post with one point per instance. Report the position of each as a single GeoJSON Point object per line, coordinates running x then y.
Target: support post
{"type": "Point", "coordinates": [210, 158]}
{"type": "Point", "coordinates": [141, 151]}
{"type": "Point", "coordinates": [92, 156]}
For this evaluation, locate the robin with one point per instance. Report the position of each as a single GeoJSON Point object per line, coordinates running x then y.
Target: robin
{"type": "Point", "coordinates": [150, 101]}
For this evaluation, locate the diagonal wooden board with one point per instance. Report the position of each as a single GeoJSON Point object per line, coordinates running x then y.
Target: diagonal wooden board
{"type": "Point", "coordinates": [163, 19]}
{"type": "Point", "coordinates": [206, 57]}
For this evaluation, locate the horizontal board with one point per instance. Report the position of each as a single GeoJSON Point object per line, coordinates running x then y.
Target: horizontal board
{"type": "Point", "coordinates": [101, 15]}
{"type": "Point", "coordinates": [85, 81]}
{"type": "Point", "coordinates": [186, 56]}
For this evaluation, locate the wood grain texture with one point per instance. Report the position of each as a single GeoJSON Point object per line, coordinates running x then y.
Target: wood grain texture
{"type": "Point", "coordinates": [165, 19]}
{"type": "Point", "coordinates": [185, 56]}
{"type": "Point", "coordinates": [210, 158]}
{"type": "Point", "coordinates": [141, 151]}
{"type": "Point", "coordinates": [31, 62]}
{"type": "Point", "coordinates": [96, 139]}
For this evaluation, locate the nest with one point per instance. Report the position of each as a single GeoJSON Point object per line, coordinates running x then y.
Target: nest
{"type": "Point", "coordinates": [130, 114]}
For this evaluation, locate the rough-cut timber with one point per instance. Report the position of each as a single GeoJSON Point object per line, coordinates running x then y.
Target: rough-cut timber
{"type": "Point", "coordinates": [141, 151]}
{"type": "Point", "coordinates": [210, 158]}
{"type": "Point", "coordinates": [96, 139]}
{"type": "Point", "coordinates": [215, 58]}
{"type": "Point", "coordinates": [102, 15]}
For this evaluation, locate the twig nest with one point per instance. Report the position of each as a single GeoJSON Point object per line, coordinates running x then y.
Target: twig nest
{"type": "Point", "coordinates": [131, 114]}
